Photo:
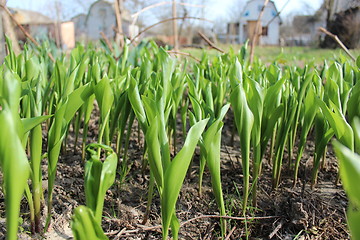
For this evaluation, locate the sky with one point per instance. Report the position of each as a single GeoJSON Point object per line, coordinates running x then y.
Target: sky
{"type": "Point", "coordinates": [218, 8]}
{"type": "Point", "coordinates": [293, 6]}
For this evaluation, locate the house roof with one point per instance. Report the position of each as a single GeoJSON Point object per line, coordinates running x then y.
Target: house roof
{"type": "Point", "coordinates": [30, 17]}
{"type": "Point", "coordinates": [270, 2]}
{"type": "Point", "coordinates": [78, 16]}
{"type": "Point", "coordinates": [125, 14]}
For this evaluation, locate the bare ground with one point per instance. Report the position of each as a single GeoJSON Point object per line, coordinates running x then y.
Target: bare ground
{"type": "Point", "coordinates": [285, 213]}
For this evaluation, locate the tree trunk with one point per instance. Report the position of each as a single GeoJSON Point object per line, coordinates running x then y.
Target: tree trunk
{"type": "Point", "coordinates": [175, 31]}
{"type": "Point", "coordinates": [119, 34]}
{"type": "Point", "coordinates": [9, 29]}
{"type": "Point", "coordinates": [2, 41]}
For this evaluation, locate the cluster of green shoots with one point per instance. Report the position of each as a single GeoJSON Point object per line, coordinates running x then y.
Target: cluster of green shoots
{"type": "Point", "coordinates": [275, 107]}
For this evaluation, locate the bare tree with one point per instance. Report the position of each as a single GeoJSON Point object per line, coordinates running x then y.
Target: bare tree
{"type": "Point", "coordinates": [234, 11]}
{"type": "Point", "coordinates": [175, 30]}
{"type": "Point", "coordinates": [187, 12]}
{"type": "Point", "coordinates": [119, 34]}
{"type": "Point", "coordinates": [68, 8]}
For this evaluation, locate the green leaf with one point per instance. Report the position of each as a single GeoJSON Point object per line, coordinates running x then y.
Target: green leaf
{"type": "Point", "coordinates": [244, 120]}
{"type": "Point", "coordinates": [311, 108]}
{"type": "Point", "coordinates": [30, 123]}
{"type": "Point", "coordinates": [212, 146]}
{"type": "Point", "coordinates": [65, 111]}
{"type": "Point", "coordinates": [136, 103]}
{"type": "Point", "coordinates": [11, 92]}
{"type": "Point", "coordinates": [154, 153]}
{"type": "Point", "coordinates": [99, 176]}
{"type": "Point", "coordinates": [323, 134]}
{"type": "Point", "coordinates": [15, 167]}
{"type": "Point", "coordinates": [104, 96]}
{"type": "Point", "coordinates": [175, 174]}
{"type": "Point", "coordinates": [356, 127]}
{"type": "Point", "coordinates": [353, 218]}
{"type": "Point", "coordinates": [84, 226]}
{"type": "Point", "coordinates": [349, 171]}
{"type": "Point", "coordinates": [350, 176]}
{"type": "Point", "coordinates": [353, 104]}
{"type": "Point", "coordinates": [75, 100]}
{"type": "Point", "coordinates": [338, 123]}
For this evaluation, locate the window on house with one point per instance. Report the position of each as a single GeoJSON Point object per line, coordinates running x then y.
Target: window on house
{"type": "Point", "coordinates": [260, 7]}
{"type": "Point", "coordinates": [264, 31]}
{"type": "Point", "coordinates": [237, 27]}
{"type": "Point", "coordinates": [247, 13]}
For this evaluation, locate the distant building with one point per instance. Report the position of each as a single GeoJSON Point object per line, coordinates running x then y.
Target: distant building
{"type": "Point", "coordinates": [35, 23]}
{"type": "Point", "coordinates": [270, 22]}
{"type": "Point", "coordinates": [233, 32]}
{"type": "Point", "coordinates": [42, 27]}
{"type": "Point", "coordinates": [101, 18]}
{"type": "Point", "coordinates": [304, 29]}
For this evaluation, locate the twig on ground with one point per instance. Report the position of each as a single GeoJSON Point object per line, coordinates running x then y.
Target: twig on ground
{"type": "Point", "coordinates": [335, 37]}
{"type": "Point", "coordinates": [142, 228]}
{"type": "Point", "coordinates": [273, 233]}
{"type": "Point", "coordinates": [230, 233]}
{"type": "Point", "coordinates": [117, 233]}
{"type": "Point", "coordinates": [6, 9]}
{"type": "Point", "coordinates": [225, 217]}
{"type": "Point", "coordinates": [211, 44]}
{"type": "Point", "coordinates": [155, 228]}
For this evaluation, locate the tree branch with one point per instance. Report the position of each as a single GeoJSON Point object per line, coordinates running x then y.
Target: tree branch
{"type": "Point", "coordinates": [164, 21]}
{"type": "Point", "coordinates": [211, 44]}
{"type": "Point", "coordinates": [256, 32]}
{"type": "Point", "coordinates": [335, 37]}
{"type": "Point", "coordinates": [185, 54]}
{"type": "Point", "coordinates": [135, 16]}
{"type": "Point", "coordinates": [119, 23]}
{"type": "Point", "coordinates": [108, 44]}
{"type": "Point", "coordinates": [278, 13]}
{"type": "Point", "coordinates": [6, 9]}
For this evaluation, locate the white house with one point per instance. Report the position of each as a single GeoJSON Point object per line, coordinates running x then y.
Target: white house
{"type": "Point", "coordinates": [270, 22]}
{"type": "Point", "coordinates": [101, 18]}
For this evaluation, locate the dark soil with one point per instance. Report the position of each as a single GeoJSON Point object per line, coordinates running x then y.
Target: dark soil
{"type": "Point", "coordinates": [285, 213]}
